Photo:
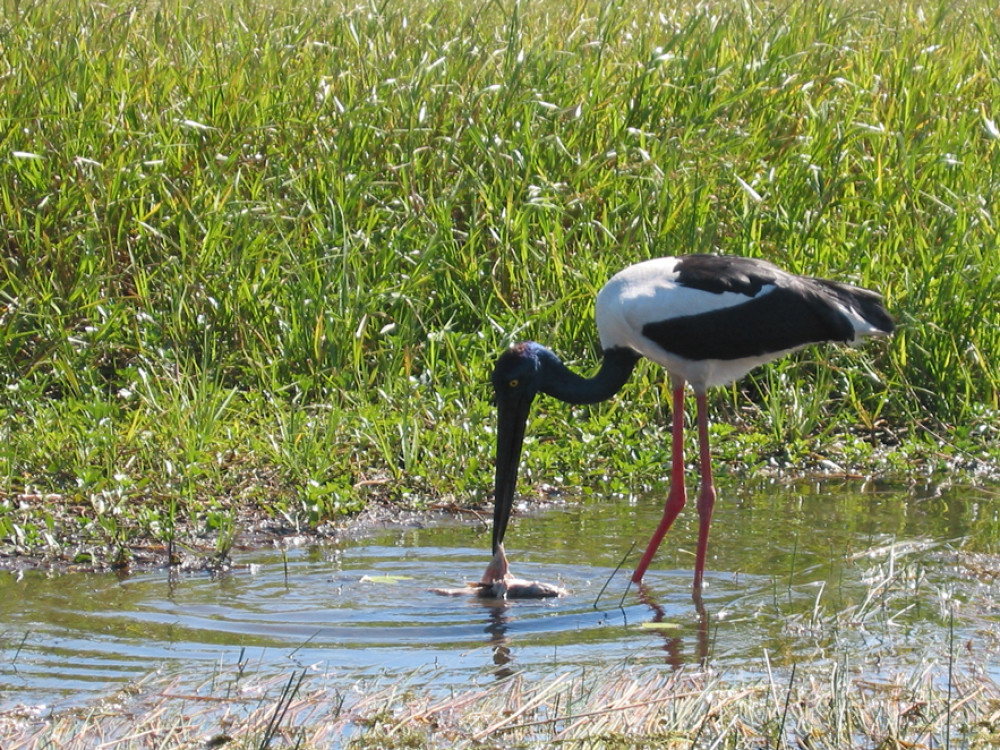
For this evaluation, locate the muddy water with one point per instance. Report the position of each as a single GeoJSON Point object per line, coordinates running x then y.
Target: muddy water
{"type": "Point", "coordinates": [802, 571]}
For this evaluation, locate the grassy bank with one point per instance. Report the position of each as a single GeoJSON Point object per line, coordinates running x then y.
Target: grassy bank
{"type": "Point", "coordinates": [260, 257]}
{"type": "Point", "coordinates": [825, 707]}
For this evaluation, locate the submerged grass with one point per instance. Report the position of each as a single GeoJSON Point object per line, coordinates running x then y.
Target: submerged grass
{"type": "Point", "coordinates": [263, 255]}
{"type": "Point", "coordinates": [830, 706]}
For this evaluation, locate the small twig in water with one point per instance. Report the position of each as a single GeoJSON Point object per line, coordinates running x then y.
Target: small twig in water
{"type": "Point", "coordinates": [613, 574]}
{"type": "Point", "coordinates": [779, 740]}
{"type": "Point", "coordinates": [791, 572]}
{"type": "Point", "coordinates": [17, 651]}
{"type": "Point", "coordinates": [288, 694]}
{"type": "Point", "coordinates": [304, 643]}
{"type": "Point", "coordinates": [951, 681]}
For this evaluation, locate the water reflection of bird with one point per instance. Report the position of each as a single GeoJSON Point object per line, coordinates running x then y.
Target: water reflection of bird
{"type": "Point", "coordinates": [708, 320]}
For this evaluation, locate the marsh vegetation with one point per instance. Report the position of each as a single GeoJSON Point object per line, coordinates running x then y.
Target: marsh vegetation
{"type": "Point", "coordinates": [258, 258]}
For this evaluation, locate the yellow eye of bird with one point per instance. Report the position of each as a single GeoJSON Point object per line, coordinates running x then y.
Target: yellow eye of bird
{"type": "Point", "coordinates": [514, 383]}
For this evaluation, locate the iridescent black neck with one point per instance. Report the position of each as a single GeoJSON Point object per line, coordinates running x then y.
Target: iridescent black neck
{"type": "Point", "coordinates": [559, 381]}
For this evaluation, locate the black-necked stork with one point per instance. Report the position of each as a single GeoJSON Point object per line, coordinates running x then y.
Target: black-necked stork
{"type": "Point", "coordinates": [708, 319]}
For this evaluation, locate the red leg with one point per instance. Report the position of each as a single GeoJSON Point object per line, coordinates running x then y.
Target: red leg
{"type": "Point", "coordinates": [706, 498]}
{"type": "Point", "coordinates": [677, 495]}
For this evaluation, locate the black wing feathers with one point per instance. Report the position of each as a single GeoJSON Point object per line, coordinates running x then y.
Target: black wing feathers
{"type": "Point", "coordinates": [867, 303]}
{"type": "Point", "coordinates": [773, 322]}
{"type": "Point", "coordinates": [723, 273]}
{"type": "Point", "coordinates": [797, 311]}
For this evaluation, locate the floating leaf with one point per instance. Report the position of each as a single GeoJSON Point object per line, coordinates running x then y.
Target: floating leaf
{"type": "Point", "coordinates": [390, 579]}
{"type": "Point", "coordinates": [660, 625]}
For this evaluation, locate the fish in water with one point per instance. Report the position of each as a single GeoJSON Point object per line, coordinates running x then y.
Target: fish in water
{"type": "Point", "coordinates": [498, 583]}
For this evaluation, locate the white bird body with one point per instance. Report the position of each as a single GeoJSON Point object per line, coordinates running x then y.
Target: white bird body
{"type": "Point", "coordinates": [664, 291]}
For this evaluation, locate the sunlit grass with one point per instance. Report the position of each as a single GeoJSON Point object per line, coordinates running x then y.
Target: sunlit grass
{"type": "Point", "coordinates": [267, 253]}
{"type": "Point", "coordinates": [830, 706]}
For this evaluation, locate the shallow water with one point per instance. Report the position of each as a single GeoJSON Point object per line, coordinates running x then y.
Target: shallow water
{"type": "Point", "coordinates": [809, 571]}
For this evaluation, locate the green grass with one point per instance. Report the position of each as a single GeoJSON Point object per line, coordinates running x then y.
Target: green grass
{"type": "Point", "coordinates": [263, 255]}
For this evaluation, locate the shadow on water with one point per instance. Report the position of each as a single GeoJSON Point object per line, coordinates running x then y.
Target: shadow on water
{"type": "Point", "coordinates": [805, 571]}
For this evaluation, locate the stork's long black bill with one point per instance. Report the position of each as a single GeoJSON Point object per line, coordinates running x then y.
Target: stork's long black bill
{"type": "Point", "coordinates": [512, 417]}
